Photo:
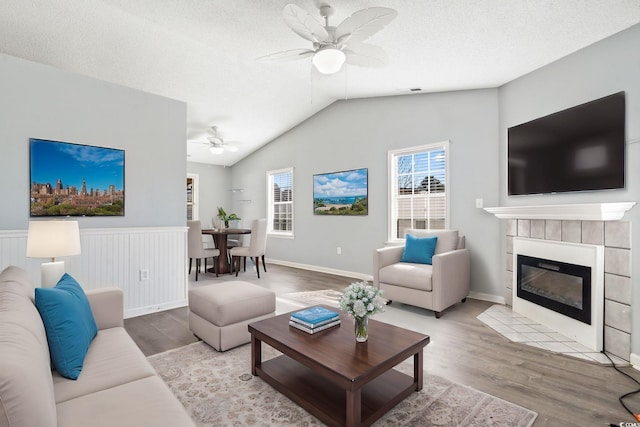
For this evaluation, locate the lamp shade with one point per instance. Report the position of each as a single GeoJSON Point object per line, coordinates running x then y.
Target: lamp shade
{"type": "Point", "coordinates": [51, 239]}
{"type": "Point", "coordinates": [328, 60]}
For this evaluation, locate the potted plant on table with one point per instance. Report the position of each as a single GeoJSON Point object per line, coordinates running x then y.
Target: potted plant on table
{"type": "Point", "coordinates": [222, 216]}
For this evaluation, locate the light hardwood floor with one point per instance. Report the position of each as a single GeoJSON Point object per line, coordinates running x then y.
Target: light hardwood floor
{"type": "Point", "coordinates": [564, 391]}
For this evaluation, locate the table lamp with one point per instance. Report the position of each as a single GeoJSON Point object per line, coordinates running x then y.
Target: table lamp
{"type": "Point", "coordinates": [51, 239]}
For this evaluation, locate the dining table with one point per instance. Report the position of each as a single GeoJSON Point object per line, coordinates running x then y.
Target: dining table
{"type": "Point", "coordinates": [220, 236]}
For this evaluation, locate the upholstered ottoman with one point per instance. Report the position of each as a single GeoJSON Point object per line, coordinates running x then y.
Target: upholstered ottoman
{"type": "Point", "coordinates": [219, 314]}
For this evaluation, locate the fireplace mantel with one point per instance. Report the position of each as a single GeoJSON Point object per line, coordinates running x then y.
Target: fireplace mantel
{"type": "Point", "coordinates": [583, 212]}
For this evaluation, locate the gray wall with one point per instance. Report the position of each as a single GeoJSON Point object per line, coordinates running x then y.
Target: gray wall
{"type": "Point", "coordinates": [357, 134]}
{"type": "Point", "coordinates": [604, 68]}
{"type": "Point", "coordinates": [44, 102]}
{"type": "Point", "coordinates": [214, 191]}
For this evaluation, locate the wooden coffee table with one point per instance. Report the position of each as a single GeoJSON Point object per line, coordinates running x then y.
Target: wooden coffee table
{"type": "Point", "coordinates": [341, 382]}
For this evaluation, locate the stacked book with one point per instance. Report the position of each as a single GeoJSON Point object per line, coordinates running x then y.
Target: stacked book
{"type": "Point", "coordinates": [314, 319]}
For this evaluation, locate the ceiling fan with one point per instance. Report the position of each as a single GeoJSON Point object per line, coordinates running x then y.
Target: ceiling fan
{"type": "Point", "coordinates": [333, 46]}
{"type": "Point", "coordinates": [216, 144]}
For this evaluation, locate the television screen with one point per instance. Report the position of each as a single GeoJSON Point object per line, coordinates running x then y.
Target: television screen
{"type": "Point", "coordinates": [75, 180]}
{"type": "Point", "coordinates": [581, 148]}
{"type": "Point", "coordinates": [341, 193]}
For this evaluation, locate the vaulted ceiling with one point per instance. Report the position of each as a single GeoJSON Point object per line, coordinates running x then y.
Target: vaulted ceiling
{"type": "Point", "coordinates": [203, 52]}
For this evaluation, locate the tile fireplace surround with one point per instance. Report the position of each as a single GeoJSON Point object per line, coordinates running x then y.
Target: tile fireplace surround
{"type": "Point", "coordinates": [616, 238]}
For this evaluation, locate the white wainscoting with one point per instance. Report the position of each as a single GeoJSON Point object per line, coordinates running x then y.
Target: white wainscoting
{"type": "Point", "coordinates": [115, 257]}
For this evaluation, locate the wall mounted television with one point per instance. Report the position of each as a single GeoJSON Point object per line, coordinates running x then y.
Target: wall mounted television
{"type": "Point", "coordinates": [578, 149]}
{"type": "Point", "coordinates": [67, 179]}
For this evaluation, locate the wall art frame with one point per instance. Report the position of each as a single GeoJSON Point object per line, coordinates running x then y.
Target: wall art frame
{"type": "Point", "coordinates": [342, 193]}
{"type": "Point", "coordinates": [68, 179]}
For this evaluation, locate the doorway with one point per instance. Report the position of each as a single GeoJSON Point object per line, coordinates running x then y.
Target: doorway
{"type": "Point", "coordinates": [192, 197]}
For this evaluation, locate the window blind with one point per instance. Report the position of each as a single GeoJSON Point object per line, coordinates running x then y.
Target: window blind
{"type": "Point", "coordinates": [418, 189]}
{"type": "Point", "coordinates": [281, 201]}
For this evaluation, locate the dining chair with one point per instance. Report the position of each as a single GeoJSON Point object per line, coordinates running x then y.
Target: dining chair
{"type": "Point", "coordinates": [197, 250]}
{"type": "Point", "coordinates": [256, 248]}
{"type": "Point", "coordinates": [233, 241]}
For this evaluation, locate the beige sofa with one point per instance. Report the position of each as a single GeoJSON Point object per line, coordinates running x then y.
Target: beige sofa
{"type": "Point", "coordinates": [117, 386]}
{"type": "Point", "coordinates": [434, 287]}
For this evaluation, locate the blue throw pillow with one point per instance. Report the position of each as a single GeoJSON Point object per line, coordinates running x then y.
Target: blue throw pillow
{"type": "Point", "coordinates": [69, 324]}
{"type": "Point", "coordinates": [419, 250]}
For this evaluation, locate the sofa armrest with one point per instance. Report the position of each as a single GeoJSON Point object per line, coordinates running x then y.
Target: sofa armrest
{"type": "Point", "coordinates": [451, 276]}
{"type": "Point", "coordinates": [383, 257]}
{"type": "Point", "coordinates": [107, 306]}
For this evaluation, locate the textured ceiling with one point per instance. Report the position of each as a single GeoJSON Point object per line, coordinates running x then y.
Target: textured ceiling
{"type": "Point", "coordinates": [203, 52]}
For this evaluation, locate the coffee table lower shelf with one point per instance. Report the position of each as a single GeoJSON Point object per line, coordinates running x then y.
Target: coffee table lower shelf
{"type": "Point", "coordinates": [325, 400]}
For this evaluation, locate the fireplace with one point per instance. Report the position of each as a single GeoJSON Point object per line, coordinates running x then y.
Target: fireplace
{"type": "Point", "coordinates": [561, 285]}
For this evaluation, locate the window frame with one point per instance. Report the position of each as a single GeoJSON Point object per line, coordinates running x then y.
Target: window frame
{"type": "Point", "coordinates": [271, 203]}
{"type": "Point", "coordinates": [392, 178]}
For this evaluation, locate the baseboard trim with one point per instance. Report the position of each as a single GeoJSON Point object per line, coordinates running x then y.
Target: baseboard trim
{"type": "Point", "coordinates": [487, 297]}
{"type": "Point", "coordinates": [635, 361]}
{"type": "Point", "coordinates": [343, 273]}
{"type": "Point", "coordinates": [141, 311]}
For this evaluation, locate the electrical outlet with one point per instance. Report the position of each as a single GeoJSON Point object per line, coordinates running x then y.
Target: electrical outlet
{"type": "Point", "coordinates": [479, 203]}
{"type": "Point", "coordinates": [339, 250]}
{"type": "Point", "coordinates": [144, 275]}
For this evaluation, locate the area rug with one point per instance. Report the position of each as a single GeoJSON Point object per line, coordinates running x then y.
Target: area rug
{"type": "Point", "coordinates": [217, 389]}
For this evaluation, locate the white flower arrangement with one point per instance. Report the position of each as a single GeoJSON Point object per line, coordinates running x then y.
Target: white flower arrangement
{"type": "Point", "coordinates": [361, 300]}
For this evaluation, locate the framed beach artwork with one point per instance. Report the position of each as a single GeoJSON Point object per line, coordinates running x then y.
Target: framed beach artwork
{"type": "Point", "coordinates": [68, 179]}
{"type": "Point", "coordinates": [341, 193]}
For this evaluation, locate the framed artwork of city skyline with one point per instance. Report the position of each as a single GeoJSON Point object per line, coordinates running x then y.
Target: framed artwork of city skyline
{"type": "Point", "coordinates": [67, 179]}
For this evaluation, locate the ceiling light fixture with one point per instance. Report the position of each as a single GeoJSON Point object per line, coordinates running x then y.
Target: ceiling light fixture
{"type": "Point", "coordinates": [216, 149]}
{"type": "Point", "coordinates": [328, 60]}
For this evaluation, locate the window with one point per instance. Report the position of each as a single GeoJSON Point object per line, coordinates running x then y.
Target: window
{"type": "Point", "coordinates": [418, 190]}
{"type": "Point", "coordinates": [280, 202]}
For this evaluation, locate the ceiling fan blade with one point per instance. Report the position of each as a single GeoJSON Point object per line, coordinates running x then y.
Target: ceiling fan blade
{"type": "Point", "coordinates": [364, 23]}
{"type": "Point", "coordinates": [365, 55]}
{"type": "Point", "coordinates": [304, 24]}
{"type": "Point", "coordinates": [287, 55]}
{"type": "Point", "coordinates": [197, 141]}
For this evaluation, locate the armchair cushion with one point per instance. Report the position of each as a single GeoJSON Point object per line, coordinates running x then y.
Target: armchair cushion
{"type": "Point", "coordinates": [419, 250]}
{"type": "Point", "coordinates": [408, 275]}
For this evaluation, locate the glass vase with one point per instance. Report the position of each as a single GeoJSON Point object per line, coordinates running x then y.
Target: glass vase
{"type": "Point", "coordinates": [361, 328]}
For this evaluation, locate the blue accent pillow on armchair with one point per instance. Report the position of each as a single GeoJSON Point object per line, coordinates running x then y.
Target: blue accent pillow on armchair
{"type": "Point", "coordinates": [68, 323]}
{"type": "Point", "coordinates": [419, 250]}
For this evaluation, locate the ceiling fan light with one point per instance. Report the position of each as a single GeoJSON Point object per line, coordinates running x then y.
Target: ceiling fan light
{"type": "Point", "coordinates": [231, 148]}
{"type": "Point", "coordinates": [216, 150]}
{"type": "Point", "coordinates": [328, 60]}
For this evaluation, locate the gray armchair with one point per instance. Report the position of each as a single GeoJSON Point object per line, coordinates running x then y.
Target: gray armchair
{"type": "Point", "coordinates": [435, 287]}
